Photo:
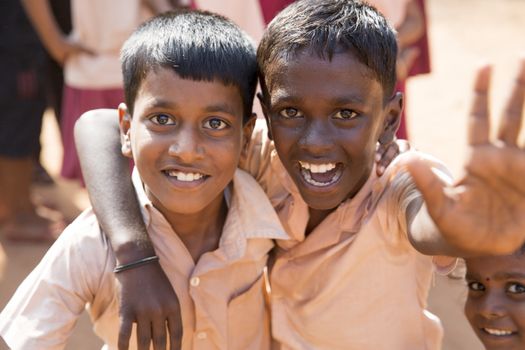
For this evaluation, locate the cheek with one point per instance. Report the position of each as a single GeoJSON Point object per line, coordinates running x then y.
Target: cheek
{"type": "Point", "coordinates": [470, 309]}
{"type": "Point", "coordinates": [517, 312]}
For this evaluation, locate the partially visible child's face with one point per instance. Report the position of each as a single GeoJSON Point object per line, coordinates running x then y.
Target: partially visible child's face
{"type": "Point", "coordinates": [325, 118]}
{"type": "Point", "coordinates": [495, 305]}
{"type": "Point", "coordinates": [185, 138]}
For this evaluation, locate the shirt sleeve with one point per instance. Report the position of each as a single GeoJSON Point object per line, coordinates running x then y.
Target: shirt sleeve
{"type": "Point", "coordinates": [405, 200]}
{"type": "Point", "coordinates": [400, 197]}
{"type": "Point", "coordinates": [45, 307]}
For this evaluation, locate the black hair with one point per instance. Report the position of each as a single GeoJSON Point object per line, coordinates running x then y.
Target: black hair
{"type": "Point", "coordinates": [327, 27]}
{"type": "Point", "coordinates": [197, 45]}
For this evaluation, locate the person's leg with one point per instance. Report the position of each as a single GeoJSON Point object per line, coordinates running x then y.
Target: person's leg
{"type": "Point", "coordinates": [22, 103]}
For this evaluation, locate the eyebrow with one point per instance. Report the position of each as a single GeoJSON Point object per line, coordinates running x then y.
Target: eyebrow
{"type": "Point", "coordinates": [509, 275]}
{"type": "Point", "coordinates": [219, 107]}
{"type": "Point", "coordinates": [343, 100]}
{"type": "Point", "coordinates": [498, 276]}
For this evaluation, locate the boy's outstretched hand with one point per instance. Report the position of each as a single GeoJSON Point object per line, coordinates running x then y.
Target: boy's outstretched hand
{"type": "Point", "coordinates": [483, 213]}
{"type": "Point", "coordinates": [147, 298]}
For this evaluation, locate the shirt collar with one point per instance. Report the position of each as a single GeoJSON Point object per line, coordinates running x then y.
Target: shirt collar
{"type": "Point", "coordinates": [250, 214]}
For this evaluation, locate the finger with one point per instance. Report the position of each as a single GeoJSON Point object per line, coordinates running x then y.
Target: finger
{"type": "Point", "coordinates": [124, 334]}
{"type": "Point", "coordinates": [175, 332]}
{"type": "Point", "coordinates": [143, 335]}
{"type": "Point", "coordinates": [429, 184]}
{"type": "Point", "coordinates": [159, 335]}
{"type": "Point", "coordinates": [510, 124]}
{"type": "Point", "coordinates": [389, 155]}
{"type": "Point", "coordinates": [478, 125]}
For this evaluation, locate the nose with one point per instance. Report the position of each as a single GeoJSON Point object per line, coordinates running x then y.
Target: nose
{"type": "Point", "coordinates": [316, 139]}
{"type": "Point", "coordinates": [186, 146]}
{"type": "Point", "coordinates": [492, 306]}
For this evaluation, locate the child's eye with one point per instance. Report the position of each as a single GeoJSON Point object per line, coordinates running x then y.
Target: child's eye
{"type": "Point", "coordinates": [476, 286]}
{"type": "Point", "coordinates": [516, 288]}
{"type": "Point", "coordinates": [162, 119]}
{"type": "Point", "coordinates": [345, 114]}
{"type": "Point", "coordinates": [290, 113]}
{"type": "Point", "coordinates": [215, 124]}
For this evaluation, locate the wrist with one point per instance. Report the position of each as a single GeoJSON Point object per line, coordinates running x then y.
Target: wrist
{"type": "Point", "coordinates": [129, 251]}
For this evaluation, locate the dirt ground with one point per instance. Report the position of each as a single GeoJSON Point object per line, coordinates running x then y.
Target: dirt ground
{"type": "Point", "coordinates": [462, 34]}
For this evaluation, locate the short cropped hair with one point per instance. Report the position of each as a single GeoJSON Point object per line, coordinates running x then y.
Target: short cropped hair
{"type": "Point", "coordinates": [327, 27]}
{"type": "Point", "coordinates": [197, 45]}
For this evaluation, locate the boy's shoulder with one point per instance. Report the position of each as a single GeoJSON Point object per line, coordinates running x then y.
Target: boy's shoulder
{"type": "Point", "coordinates": [84, 231]}
{"type": "Point", "coordinates": [397, 175]}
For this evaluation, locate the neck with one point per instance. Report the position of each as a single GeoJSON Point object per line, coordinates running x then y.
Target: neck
{"type": "Point", "coordinates": [200, 232]}
{"type": "Point", "coordinates": [316, 217]}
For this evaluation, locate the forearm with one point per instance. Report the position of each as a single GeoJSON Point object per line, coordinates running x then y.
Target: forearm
{"type": "Point", "coordinates": [160, 6]}
{"type": "Point", "coordinates": [108, 181]}
{"type": "Point", "coordinates": [45, 24]}
{"type": "Point", "coordinates": [413, 27]}
{"type": "Point", "coordinates": [426, 238]}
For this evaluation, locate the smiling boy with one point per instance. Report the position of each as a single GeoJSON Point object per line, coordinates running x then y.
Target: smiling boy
{"type": "Point", "coordinates": [359, 262]}
{"type": "Point", "coordinates": [187, 119]}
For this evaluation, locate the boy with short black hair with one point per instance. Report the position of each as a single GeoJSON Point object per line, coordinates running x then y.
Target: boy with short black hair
{"type": "Point", "coordinates": [353, 268]}
{"type": "Point", "coordinates": [190, 81]}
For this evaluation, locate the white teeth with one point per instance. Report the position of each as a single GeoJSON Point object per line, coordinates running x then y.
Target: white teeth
{"type": "Point", "coordinates": [308, 178]}
{"type": "Point", "coordinates": [186, 177]}
{"type": "Point", "coordinates": [499, 332]}
{"type": "Point", "coordinates": [318, 168]}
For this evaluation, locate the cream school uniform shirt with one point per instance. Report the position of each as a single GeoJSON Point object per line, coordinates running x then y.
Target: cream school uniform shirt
{"type": "Point", "coordinates": [221, 296]}
{"type": "Point", "coordinates": [355, 282]}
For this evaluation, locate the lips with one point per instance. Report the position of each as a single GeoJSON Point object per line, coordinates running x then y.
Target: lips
{"type": "Point", "coordinates": [321, 174]}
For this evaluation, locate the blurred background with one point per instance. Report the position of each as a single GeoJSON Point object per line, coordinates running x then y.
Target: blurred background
{"type": "Point", "coordinates": [461, 34]}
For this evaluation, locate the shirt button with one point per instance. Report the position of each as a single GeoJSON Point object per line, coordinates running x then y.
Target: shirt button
{"type": "Point", "coordinates": [195, 281]}
{"type": "Point", "coordinates": [202, 335]}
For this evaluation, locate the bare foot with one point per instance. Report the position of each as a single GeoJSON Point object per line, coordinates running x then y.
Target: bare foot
{"type": "Point", "coordinates": [32, 227]}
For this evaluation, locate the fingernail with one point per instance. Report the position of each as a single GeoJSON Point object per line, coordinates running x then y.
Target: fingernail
{"type": "Point", "coordinates": [378, 157]}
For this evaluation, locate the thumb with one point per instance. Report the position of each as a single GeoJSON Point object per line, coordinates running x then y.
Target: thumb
{"type": "Point", "coordinates": [429, 183]}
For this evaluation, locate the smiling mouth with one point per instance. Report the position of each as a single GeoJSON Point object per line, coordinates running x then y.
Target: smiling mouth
{"type": "Point", "coordinates": [185, 177]}
{"type": "Point", "coordinates": [498, 332]}
{"type": "Point", "coordinates": [321, 175]}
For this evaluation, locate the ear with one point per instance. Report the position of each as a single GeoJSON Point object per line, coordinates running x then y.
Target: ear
{"type": "Point", "coordinates": [247, 131]}
{"type": "Point", "coordinates": [265, 108]}
{"type": "Point", "coordinates": [125, 129]}
{"type": "Point", "coordinates": [392, 120]}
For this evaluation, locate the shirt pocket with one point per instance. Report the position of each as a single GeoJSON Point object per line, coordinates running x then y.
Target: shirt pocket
{"type": "Point", "coordinates": [248, 319]}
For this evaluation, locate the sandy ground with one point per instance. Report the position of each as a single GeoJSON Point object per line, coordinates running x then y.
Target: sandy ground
{"type": "Point", "coordinates": [463, 33]}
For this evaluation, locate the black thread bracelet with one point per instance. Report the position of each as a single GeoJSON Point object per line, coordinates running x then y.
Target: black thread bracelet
{"type": "Point", "coordinates": [134, 264]}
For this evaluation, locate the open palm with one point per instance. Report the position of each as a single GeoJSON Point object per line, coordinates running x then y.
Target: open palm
{"type": "Point", "coordinates": [484, 211]}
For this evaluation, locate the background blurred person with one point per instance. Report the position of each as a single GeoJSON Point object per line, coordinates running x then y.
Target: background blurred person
{"type": "Point", "coordinates": [22, 102]}
{"type": "Point", "coordinates": [90, 57]}
{"type": "Point", "coordinates": [409, 19]}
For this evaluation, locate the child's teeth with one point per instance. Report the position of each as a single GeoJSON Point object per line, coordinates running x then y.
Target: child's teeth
{"type": "Point", "coordinates": [318, 168]}
{"type": "Point", "coordinates": [187, 177]}
{"type": "Point", "coordinates": [497, 331]}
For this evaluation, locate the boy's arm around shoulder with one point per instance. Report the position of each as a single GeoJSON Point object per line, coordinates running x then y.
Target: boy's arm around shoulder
{"type": "Point", "coordinates": [107, 177]}
{"type": "Point", "coordinates": [43, 310]}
